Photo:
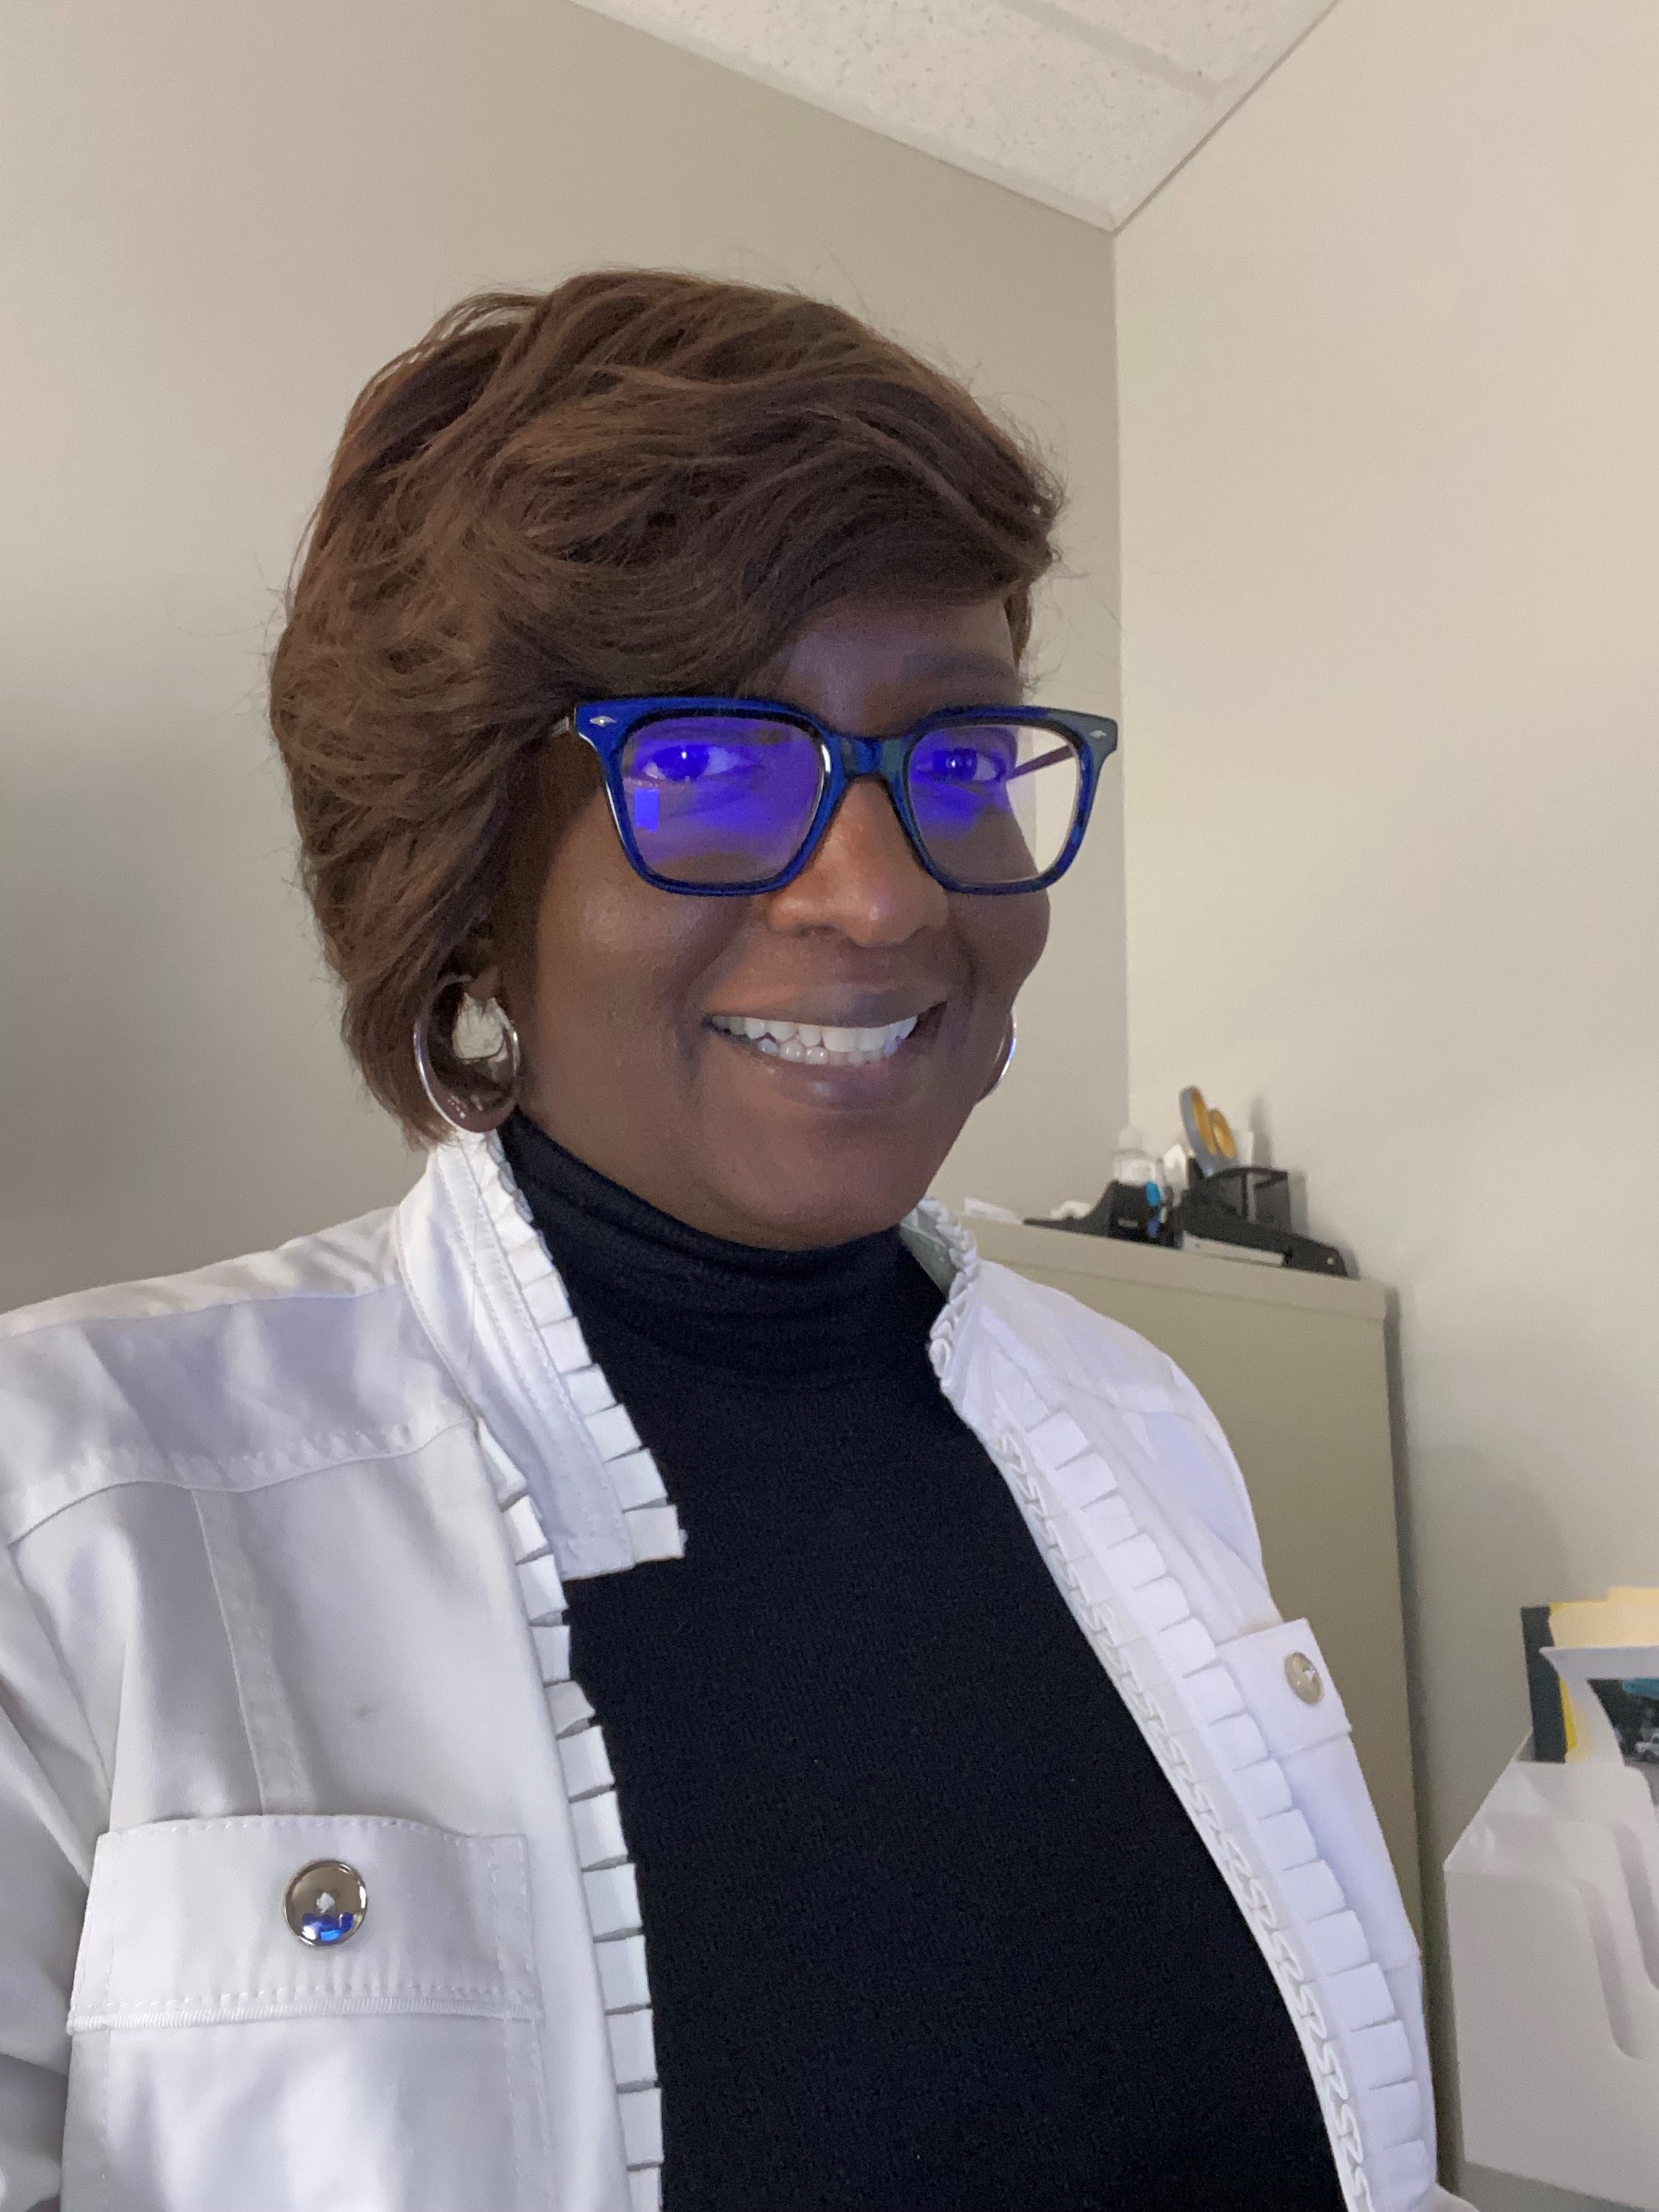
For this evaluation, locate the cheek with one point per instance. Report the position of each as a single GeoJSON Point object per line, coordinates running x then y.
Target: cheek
{"type": "Point", "coordinates": [1005, 938]}
{"type": "Point", "coordinates": [612, 950]}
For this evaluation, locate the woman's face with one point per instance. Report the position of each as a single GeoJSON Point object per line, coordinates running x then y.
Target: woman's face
{"type": "Point", "coordinates": [626, 996]}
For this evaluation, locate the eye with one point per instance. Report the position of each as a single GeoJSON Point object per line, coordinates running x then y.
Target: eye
{"type": "Point", "coordinates": [685, 760]}
{"type": "Point", "coordinates": [963, 765]}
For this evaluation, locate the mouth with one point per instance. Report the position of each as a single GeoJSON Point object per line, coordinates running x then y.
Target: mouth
{"type": "Point", "coordinates": [820, 1044]}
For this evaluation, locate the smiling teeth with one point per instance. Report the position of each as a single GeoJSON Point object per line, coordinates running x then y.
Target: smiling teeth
{"type": "Point", "coordinates": [818, 1044]}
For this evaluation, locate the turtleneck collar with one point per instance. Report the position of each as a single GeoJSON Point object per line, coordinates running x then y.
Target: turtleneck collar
{"type": "Point", "coordinates": [793, 1318]}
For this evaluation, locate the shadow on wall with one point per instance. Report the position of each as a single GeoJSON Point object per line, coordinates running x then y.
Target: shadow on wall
{"type": "Point", "coordinates": [1491, 1534]}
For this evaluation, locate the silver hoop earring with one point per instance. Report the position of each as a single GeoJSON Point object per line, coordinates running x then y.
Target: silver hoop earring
{"type": "Point", "coordinates": [480, 1095]}
{"type": "Point", "coordinates": [1005, 1063]}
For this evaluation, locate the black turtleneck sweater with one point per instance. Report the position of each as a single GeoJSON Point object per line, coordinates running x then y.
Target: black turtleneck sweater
{"type": "Point", "coordinates": [927, 1929]}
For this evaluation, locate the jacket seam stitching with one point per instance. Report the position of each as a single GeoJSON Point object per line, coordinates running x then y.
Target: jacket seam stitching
{"type": "Point", "coordinates": [279, 1294]}
{"type": "Point", "coordinates": [495, 1992]}
{"type": "Point", "coordinates": [108, 1474]}
{"type": "Point", "coordinates": [231, 1646]}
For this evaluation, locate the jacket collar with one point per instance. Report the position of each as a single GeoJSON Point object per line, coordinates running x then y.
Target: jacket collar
{"type": "Point", "coordinates": [490, 1299]}
{"type": "Point", "coordinates": [492, 1304]}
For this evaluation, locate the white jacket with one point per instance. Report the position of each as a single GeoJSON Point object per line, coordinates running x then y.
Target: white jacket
{"type": "Point", "coordinates": [285, 1542]}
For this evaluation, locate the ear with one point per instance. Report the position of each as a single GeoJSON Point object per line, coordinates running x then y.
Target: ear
{"type": "Point", "coordinates": [486, 984]}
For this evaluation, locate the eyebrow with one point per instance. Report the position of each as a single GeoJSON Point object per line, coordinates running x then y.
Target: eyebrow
{"type": "Point", "coordinates": [944, 663]}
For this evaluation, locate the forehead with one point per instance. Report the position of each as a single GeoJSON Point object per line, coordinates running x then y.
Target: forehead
{"type": "Point", "coordinates": [868, 662]}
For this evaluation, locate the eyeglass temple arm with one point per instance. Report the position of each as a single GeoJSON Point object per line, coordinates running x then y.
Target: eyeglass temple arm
{"type": "Point", "coordinates": [1044, 760]}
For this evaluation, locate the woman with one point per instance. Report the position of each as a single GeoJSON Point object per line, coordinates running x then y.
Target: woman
{"type": "Point", "coordinates": [647, 1673]}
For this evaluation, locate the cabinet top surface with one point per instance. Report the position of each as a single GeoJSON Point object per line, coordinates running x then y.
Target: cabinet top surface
{"type": "Point", "coordinates": [1064, 1252]}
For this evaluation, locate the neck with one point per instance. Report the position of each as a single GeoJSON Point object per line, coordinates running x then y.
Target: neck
{"type": "Point", "coordinates": [757, 1315]}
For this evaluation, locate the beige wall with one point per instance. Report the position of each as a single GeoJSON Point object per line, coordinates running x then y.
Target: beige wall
{"type": "Point", "coordinates": [217, 222]}
{"type": "Point", "coordinates": [1389, 393]}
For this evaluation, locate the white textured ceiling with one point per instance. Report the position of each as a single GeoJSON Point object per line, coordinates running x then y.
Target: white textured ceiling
{"type": "Point", "coordinates": [1087, 105]}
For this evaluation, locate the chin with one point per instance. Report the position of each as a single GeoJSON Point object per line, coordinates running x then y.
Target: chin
{"type": "Point", "coordinates": [833, 1195]}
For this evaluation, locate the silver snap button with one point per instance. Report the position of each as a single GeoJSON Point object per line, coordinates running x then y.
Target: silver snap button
{"type": "Point", "coordinates": [325, 1902]}
{"type": "Point", "coordinates": [1305, 1678]}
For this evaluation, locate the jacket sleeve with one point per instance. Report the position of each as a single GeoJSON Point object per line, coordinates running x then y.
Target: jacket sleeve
{"type": "Point", "coordinates": [53, 1801]}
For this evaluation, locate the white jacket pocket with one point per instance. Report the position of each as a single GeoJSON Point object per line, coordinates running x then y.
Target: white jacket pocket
{"type": "Point", "coordinates": [221, 2060]}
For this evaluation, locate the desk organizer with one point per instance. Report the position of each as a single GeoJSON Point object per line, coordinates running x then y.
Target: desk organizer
{"type": "Point", "coordinates": [1552, 1905]}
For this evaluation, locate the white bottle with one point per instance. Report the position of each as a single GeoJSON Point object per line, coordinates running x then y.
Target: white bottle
{"type": "Point", "coordinates": [1132, 1164]}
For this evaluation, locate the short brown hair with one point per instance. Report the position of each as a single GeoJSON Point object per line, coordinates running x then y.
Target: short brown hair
{"type": "Point", "coordinates": [640, 482]}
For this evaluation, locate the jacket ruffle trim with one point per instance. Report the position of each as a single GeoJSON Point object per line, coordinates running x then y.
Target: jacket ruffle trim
{"type": "Point", "coordinates": [1133, 1609]}
{"type": "Point", "coordinates": [635, 1479]}
{"type": "Point", "coordinates": [952, 1258]}
{"type": "Point", "coordinates": [609, 1887]}
{"type": "Point", "coordinates": [609, 1884]}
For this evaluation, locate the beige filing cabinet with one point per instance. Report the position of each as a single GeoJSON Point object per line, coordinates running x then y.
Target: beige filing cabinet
{"type": "Point", "coordinates": [1293, 1367]}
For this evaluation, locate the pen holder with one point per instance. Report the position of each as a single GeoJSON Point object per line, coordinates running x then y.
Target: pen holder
{"type": "Point", "coordinates": [1259, 1195]}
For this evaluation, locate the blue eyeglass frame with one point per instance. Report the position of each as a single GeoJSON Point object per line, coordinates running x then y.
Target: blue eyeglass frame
{"type": "Point", "coordinates": [606, 725]}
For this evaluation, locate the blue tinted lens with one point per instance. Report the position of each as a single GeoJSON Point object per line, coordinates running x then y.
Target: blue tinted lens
{"type": "Point", "coordinates": [994, 802]}
{"type": "Point", "coordinates": [721, 798]}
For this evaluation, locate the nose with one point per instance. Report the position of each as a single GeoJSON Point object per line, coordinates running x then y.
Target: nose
{"type": "Point", "coordinates": [863, 881]}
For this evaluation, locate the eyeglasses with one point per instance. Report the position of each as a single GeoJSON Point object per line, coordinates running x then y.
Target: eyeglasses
{"type": "Point", "coordinates": [724, 798]}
